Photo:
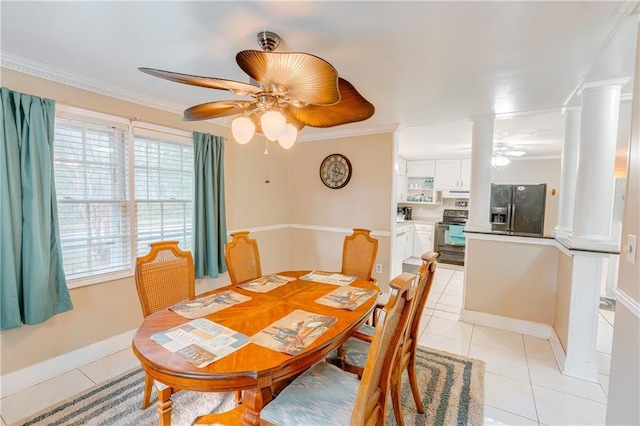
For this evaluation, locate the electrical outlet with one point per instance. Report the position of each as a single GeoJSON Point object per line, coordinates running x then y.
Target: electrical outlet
{"type": "Point", "coordinates": [378, 268]}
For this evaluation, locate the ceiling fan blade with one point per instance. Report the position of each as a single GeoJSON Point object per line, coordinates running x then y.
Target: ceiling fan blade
{"type": "Point", "coordinates": [352, 107]}
{"type": "Point", "coordinates": [302, 76]}
{"type": "Point", "coordinates": [236, 87]}
{"type": "Point", "coordinates": [217, 109]}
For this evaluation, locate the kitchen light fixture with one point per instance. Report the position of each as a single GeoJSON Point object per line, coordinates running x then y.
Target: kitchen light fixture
{"type": "Point", "coordinates": [499, 160]}
{"type": "Point", "coordinates": [500, 153]}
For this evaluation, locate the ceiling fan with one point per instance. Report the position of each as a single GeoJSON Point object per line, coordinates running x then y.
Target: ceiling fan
{"type": "Point", "coordinates": [292, 90]}
{"type": "Point", "coordinates": [503, 150]}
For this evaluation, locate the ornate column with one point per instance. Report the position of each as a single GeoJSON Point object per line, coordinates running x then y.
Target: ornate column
{"type": "Point", "coordinates": [480, 190]}
{"type": "Point", "coordinates": [596, 167]}
{"type": "Point", "coordinates": [569, 170]}
{"type": "Point", "coordinates": [591, 239]}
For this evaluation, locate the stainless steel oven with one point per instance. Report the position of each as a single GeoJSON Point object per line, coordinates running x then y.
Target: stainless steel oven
{"type": "Point", "coordinates": [449, 245]}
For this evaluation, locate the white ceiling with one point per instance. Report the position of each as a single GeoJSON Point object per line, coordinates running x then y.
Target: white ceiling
{"type": "Point", "coordinates": [428, 67]}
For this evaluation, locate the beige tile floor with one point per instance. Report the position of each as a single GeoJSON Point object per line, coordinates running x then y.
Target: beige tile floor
{"type": "Point", "coordinates": [523, 385]}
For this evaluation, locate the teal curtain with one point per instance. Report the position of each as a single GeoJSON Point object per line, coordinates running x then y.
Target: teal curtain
{"type": "Point", "coordinates": [209, 218]}
{"type": "Point", "coordinates": [33, 286]}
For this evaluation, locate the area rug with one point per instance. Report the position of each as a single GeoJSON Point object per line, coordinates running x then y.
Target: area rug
{"type": "Point", "coordinates": [451, 387]}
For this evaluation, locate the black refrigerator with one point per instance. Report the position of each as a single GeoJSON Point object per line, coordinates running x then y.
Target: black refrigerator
{"type": "Point", "coordinates": [518, 209]}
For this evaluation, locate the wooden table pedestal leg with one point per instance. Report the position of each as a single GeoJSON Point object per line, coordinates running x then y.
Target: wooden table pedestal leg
{"type": "Point", "coordinates": [254, 400]}
{"type": "Point", "coordinates": [165, 406]}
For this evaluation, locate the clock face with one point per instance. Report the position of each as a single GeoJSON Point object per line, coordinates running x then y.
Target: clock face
{"type": "Point", "coordinates": [335, 171]}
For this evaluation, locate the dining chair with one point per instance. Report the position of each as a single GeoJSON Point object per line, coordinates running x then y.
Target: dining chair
{"type": "Point", "coordinates": [354, 352]}
{"type": "Point", "coordinates": [325, 394]}
{"type": "Point", "coordinates": [164, 277]}
{"type": "Point", "coordinates": [242, 257]}
{"type": "Point", "coordinates": [359, 253]}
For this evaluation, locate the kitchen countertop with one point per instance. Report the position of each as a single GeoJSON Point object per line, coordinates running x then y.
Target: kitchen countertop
{"type": "Point", "coordinates": [423, 220]}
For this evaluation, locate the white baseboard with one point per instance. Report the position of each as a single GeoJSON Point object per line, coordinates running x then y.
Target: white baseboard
{"type": "Point", "coordinates": [558, 350]}
{"type": "Point", "coordinates": [529, 328]}
{"type": "Point", "coordinates": [37, 373]}
{"type": "Point", "coordinates": [568, 366]}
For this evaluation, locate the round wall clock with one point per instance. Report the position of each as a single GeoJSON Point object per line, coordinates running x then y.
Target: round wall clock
{"type": "Point", "coordinates": [335, 171]}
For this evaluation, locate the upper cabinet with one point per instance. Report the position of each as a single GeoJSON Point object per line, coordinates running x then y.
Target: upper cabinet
{"type": "Point", "coordinates": [452, 175]}
{"type": "Point", "coordinates": [421, 168]}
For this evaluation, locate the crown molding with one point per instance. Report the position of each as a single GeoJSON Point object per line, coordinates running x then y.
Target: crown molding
{"type": "Point", "coordinates": [341, 133]}
{"type": "Point", "coordinates": [24, 65]}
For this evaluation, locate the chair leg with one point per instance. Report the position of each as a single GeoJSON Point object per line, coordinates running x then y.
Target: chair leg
{"type": "Point", "coordinates": [395, 388]}
{"type": "Point", "coordinates": [148, 386]}
{"type": "Point", "coordinates": [414, 383]}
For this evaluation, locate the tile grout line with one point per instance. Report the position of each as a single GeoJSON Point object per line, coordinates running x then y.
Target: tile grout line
{"type": "Point", "coordinates": [533, 395]}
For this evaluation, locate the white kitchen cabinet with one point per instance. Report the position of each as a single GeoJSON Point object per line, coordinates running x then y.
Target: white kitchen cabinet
{"type": "Point", "coordinates": [408, 245]}
{"type": "Point", "coordinates": [422, 239]}
{"type": "Point", "coordinates": [465, 174]}
{"type": "Point", "coordinates": [452, 175]}
{"type": "Point", "coordinates": [403, 246]}
{"type": "Point", "coordinates": [421, 168]}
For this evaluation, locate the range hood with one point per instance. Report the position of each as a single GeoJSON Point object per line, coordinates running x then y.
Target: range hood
{"type": "Point", "coordinates": [455, 194]}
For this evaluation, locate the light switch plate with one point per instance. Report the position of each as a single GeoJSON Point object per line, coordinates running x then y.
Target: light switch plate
{"type": "Point", "coordinates": [632, 248]}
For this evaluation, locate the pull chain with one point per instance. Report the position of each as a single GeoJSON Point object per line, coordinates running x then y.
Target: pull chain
{"type": "Point", "coordinates": [266, 155]}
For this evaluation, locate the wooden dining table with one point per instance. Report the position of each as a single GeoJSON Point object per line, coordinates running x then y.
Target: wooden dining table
{"type": "Point", "coordinates": [253, 369]}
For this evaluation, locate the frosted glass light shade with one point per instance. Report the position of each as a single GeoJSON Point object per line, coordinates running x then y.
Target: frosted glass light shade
{"type": "Point", "coordinates": [499, 161]}
{"type": "Point", "coordinates": [242, 129]}
{"type": "Point", "coordinates": [273, 124]}
{"type": "Point", "coordinates": [288, 137]}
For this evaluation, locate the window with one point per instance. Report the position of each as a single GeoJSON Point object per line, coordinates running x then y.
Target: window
{"type": "Point", "coordinates": [163, 192]}
{"type": "Point", "coordinates": [119, 189]}
{"type": "Point", "coordinates": [90, 166]}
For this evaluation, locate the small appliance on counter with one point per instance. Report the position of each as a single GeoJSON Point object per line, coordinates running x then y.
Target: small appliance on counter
{"type": "Point", "coordinates": [407, 213]}
{"type": "Point", "coordinates": [518, 209]}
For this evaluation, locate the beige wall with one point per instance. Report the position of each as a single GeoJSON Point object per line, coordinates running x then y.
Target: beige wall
{"type": "Point", "coordinates": [534, 172]}
{"type": "Point", "coordinates": [563, 298]}
{"type": "Point", "coordinates": [510, 279]}
{"type": "Point", "coordinates": [294, 195]}
{"type": "Point", "coordinates": [364, 203]}
{"type": "Point", "coordinates": [99, 312]}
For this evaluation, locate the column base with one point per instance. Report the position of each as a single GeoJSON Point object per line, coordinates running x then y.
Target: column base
{"type": "Point", "coordinates": [561, 232]}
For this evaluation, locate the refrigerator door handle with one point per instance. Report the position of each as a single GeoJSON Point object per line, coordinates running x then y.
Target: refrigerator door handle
{"type": "Point", "coordinates": [513, 217]}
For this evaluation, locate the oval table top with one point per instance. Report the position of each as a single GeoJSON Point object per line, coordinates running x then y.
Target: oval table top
{"type": "Point", "coordinates": [252, 367]}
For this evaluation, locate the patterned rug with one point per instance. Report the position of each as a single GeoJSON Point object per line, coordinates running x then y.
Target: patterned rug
{"type": "Point", "coordinates": [451, 387]}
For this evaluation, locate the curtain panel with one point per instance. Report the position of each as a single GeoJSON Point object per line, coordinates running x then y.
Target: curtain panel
{"type": "Point", "coordinates": [209, 218]}
{"type": "Point", "coordinates": [33, 286]}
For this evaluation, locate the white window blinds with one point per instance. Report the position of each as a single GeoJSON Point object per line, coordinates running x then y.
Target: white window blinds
{"type": "Point", "coordinates": [118, 190]}
{"type": "Point", "coordinates": [91, 173]}
{"type": "Point", "coordinates": [163, 171]}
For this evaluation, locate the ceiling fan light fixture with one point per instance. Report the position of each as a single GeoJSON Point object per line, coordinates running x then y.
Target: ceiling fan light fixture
{"type": "Point", "coordinates": [499, 160]}
{"type": "Point", "coordinates": [288, 137]}
{"type": "Point", "coordinates": [242, 129]}
{"type": "Point", "coordinates": [514, 153]}
{"type": "Point", "coordinates": [273, 124]}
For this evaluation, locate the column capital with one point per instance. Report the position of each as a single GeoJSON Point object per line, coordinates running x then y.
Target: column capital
{"type": "Point", "coordinates": [618, 82]}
